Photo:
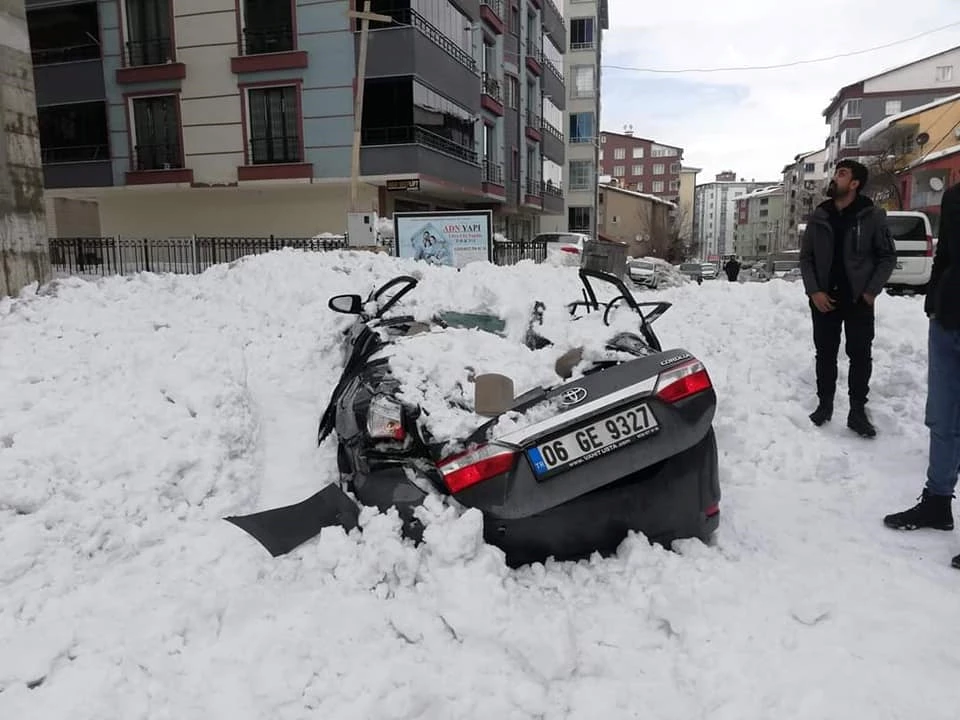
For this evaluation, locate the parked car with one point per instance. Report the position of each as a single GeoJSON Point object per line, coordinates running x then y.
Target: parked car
{"type": "Point", "coordinates": [563, 248]}
{"type": "Point", "coordinates": [692, 270]}
{"type": "Point", "coordinates": [627, 445]}
{"type": "Point", "coordinates": [710, 271]}
{"type": "Point", "coordinates": [644, 272]}
{"type": "Point", "coordinates": [913, 235]}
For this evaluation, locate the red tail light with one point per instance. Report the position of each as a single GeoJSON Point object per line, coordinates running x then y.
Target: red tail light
{"type": "Point", "coordinates": [475, 466]}
{"type": "Point", "coordinates": [570, 249]}
{"type": "Point", "coordinates": [929, 246]}
{"type": "Point", "coordinates": [683, 382]}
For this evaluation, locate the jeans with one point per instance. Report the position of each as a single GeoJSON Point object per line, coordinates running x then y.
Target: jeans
{"type": "Point", "coordinates": [943, 409]}
{"type": "Point", "coordinates": [857, 321]}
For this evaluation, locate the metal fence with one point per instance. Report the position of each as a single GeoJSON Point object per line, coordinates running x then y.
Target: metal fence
{"type": "Point", "coordinates": [126, 256]}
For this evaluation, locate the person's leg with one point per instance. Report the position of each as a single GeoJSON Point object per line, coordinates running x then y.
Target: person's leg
{"type": "Point", "coordinates": [827, 328]}
{"type": "Point", "coordinates": [860, 329]}
{"type": "Point", "coordinates": [942, 416]}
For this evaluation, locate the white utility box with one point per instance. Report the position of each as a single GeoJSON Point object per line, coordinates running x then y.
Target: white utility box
{"type": "Point", "coordinates": [362, 229]}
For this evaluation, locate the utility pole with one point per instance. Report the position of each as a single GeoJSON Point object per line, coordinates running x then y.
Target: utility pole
{"type": "Point", "coordinates": [364, 17]}
{"type": "Point", "coordinates": [24, 253]}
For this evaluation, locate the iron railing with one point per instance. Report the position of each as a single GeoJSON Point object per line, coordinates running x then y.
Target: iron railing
{"type": "Point", "coordinates": [533, 51]}
{"type": "Point", "coordinates": [533, 119]}
{"type": "Point", "coordinates": [155, 51]}
{"type": "Point", "coordinates": [491, 87]}
{"type": "Point", "coordinates": [275, 150]}
{"type": "Point", "coordinates": [74, 153]}
{"type": "Point", "coordinates": [557, 73]}
{"type": "Point", "coordinates": [548, 128]}
{"type": "Point", "coordinates": [492, 172]}
{"type": "Point", "coordinates": [72, 53]}
{"type": "Point", "coordinates": [551, 188]}
{"type": "Point", "coordinates": [496, 6]}
{"type": "Point", "coordinates": [509, 253]}
{"type": "Point", "coordinates": [411, 18]}
{"type": "Point", "coordinates": [259, 41]}
{"type": "Point", "coordinates": [534, 187]}
{"type": "Point", "coordinates": [157, 156]}
{"type": "Point", "coordinates": [416, 135]}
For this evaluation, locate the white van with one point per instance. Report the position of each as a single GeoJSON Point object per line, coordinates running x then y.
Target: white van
{"type": "Point", "coordinates": [913, 236]}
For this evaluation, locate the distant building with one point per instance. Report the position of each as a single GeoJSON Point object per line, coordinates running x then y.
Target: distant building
{"type": "Point", "coordinates": [641, 220]}
{"type": "Point", "coordinates": [687, 201]}
{"type": "Point", "coordinates": [758, 222]}
{"type": "Point", "coordinates": [715, 212]}
{"type": "Point", "coordinates": [642, 165]}
{"type": "Point", "coordinates": [804, 185]}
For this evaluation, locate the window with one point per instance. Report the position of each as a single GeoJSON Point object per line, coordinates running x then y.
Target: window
{"type": "Point", "coordinates": [532, 164]}
{"type": "Point", "coordinates": [636, 170]}
{"type": "Point", "coordinates": [619, 171]}
{"type": "Point", "coordinates": [583, 81]}
{"type": "Point", "coordinates": [674, 168]}
{"type": "Point", "coordinates": [601, 154]}
{"type": "Point", "coordinates": [581, 175]}
{"type": "Point", "coordinates": [578, 219]}
{"type": "Point", "coordinates": [659, 169]}
{"type": "Point", "coordinates": [850, 137]}
{"type": "Point", "coordinates": [637, 153]}
{"type": "Point", "coordinates": [64, 34]}
{"type": "Point", "coordinates": [851, 109]}
{"type": "Point", "coordinates": [513, 92]}
{"type": "Point", "coordinates": [674, 185]}
{"type": "Point", "coordinates": [73, 133]}
{"type": "Point", "coordinates": [148, 32]}
{"type": "Point", "coordinates": [156, 133]}
{"type": "Point", "coordinates": [581, 33]}
{"type": "Point", "coordinates": [267, 26]}
{"type": "Point", "coordinates": [274, 124]}
{"type": "Point", "coordinates": [490, 144]}
{"type": "Point", "coordinates": [891, 107]}
{"type": "Point", "coordinates": [531, 41]}
{"type": "Point", "coordinates": [658, 186]}
{"type": "Point", "coordinates": [452, 23]}
{"type": "Point", "coordinates": [944, 73]}
{"type": "Point", "coordinates": [659, 151]}
{"type": "Point", "coordinates": [619, 153]}
{"type": "Point", "coordinates": [444, 119]}
{"type": "Point", "coordinates": [764, 213]}
{"type": "Point", "coordinates": [581, 127]}
{"type": "Point", "coordinates": [809, 167]}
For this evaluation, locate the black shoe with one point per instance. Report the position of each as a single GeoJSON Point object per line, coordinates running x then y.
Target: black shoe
{"type": "Point", "coordinates": [858, 421]}
{"type": "Point", "coordinates": [956, 562]}
{"type": "Point", "coordinates": [822, 414]}
{"type": "Point", "coordinates": [933, 511]}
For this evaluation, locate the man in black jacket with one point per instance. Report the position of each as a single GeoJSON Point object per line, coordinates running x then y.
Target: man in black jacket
{"type": "Point", "coordinates": [943, 380]}
{"type": "Point", "coordinates": [846, 257]}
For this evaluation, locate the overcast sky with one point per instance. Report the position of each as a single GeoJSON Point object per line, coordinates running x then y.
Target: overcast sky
{"type": "Point", "coordinates": [752, 122]}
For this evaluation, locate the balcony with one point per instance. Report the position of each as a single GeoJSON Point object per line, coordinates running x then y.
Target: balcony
{"type": "Point", "coordinates": [552, 195]}
{"type": "Point", "coordinates": [414, 149]}
{"type": "Point", "coordinates": [492, 13]}
{"type": "Point", "coordinates": [533, 129]}
{"type": "Point", "coordinates": [493, 179]}
{"type": "Point", "coordinates": [158, 163]}
{"type": "Point", "coordinates": [534, 192]}
{"type": "Point", "coordinates": [150, 60]}
{"type": "Point", "coordinates": [534, 58]}
{"type": "Point", "coordinates": [268, 48]}
{"type": "Point", "coordinates": [412, 46]}
{"type": "Point", "coordinates": [77, 166]}
{"type": "Point", "coordinates": [553, 85]}
{"type": "Point", "coordinates": [552, 19]}
{"type": "Point", "coordinates": [69, 82]}
{"type": "Point", "coordinates": [552, 143]}
{"type": "Point", "coordinates": [492, 98]}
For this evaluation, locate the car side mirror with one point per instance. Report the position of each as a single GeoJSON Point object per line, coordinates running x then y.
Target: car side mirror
{"type": "Point", "coordinates": [346, 304]}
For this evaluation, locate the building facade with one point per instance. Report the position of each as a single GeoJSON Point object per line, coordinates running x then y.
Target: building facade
{"type": "Point", "coordinates": [758, 223]}
{"type": "Point", "coordinates": [642, 165]}
{"type": "Point", "coordinates": [804, 187]}
{"type": "Point", "coordinates": [236, 117]}
{"type": "Point", "coordinates": [863, 104]}
{"type": "Point", "coordinates": [640, 220]}
{"type": "Point", "coordinates": [586, 21]}
{"type": "Point", "coordinates": [686, 203]}
{"type": "Point", "coordinates": [715, 213]}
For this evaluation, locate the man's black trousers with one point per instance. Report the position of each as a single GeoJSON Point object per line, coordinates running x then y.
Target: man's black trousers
{"type": "Point", "coordinates": [855, 320]}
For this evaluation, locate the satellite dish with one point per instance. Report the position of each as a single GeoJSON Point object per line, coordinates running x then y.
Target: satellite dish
{"type": "Point", "coordinates": [923, 138]}
{"type": "Point", "coordinates": [936, 183]}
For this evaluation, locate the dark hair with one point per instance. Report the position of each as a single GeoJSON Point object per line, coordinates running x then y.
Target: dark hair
{"type": "Point", "coordinates": [858, 170]}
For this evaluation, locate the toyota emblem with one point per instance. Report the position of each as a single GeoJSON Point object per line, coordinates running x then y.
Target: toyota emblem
{"type": "Point", "coordinates": [573, 396]}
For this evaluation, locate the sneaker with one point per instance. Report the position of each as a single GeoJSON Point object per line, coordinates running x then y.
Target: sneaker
{"type": "Point", "coordinates": [933, 511]}
{"type": "Point", "coordinates": [822, 414]}
{"type": "Point", "coordinates": [858, 421]}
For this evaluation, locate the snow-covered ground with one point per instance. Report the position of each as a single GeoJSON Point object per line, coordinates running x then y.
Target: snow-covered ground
{"type": "Point", "coordinates": [137, 412]}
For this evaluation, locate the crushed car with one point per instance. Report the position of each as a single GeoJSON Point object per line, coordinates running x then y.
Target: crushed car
{"type": "Point", "coordinates": [621, 439]}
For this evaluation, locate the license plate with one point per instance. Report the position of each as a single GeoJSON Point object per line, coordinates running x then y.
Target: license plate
{"type": "Point", "coordinates": [592, 441]}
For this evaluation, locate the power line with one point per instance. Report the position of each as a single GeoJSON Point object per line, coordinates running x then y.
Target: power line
{"type": "Point", "coordinates": [777, 66]}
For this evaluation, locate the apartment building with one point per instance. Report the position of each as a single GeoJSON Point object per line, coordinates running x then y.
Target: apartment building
{"type": "Point", "coordinates": [586, 21]}
{"type": "Point", "coordinates": [640, 220]}
{"type": "Point", "coordinates": [862, 104]}
{"type": "Point", "coordinates": [804, 185]}
{"type": "Point", "coordinates": [642, 165]}
{"type": "Point", "coordinates": [235, 117]}
{"type": "Point", "coordinates": [686, 205]}
{"type": "Point", "coordinates": [715, 212]}
{"type": "Point", "coordinates": [758, 223]}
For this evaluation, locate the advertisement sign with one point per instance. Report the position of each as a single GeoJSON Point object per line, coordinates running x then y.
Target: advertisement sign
{"type": "Point", "coordinates": [453, 238]}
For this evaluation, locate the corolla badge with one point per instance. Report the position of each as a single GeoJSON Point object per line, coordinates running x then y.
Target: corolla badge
{"type": "Point", "coordinates": [573, 396]}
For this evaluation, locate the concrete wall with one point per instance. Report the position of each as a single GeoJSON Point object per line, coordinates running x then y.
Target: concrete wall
{"type": "Point", "coordinates": [72, 217]}
{"type": "Point", "coordinates": [24, 256]}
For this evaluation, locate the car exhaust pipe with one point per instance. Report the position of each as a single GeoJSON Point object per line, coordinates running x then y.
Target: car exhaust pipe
{"type": "Point", "coordinates": [492, 394]}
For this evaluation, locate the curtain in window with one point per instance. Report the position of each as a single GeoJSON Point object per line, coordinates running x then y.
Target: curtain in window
{"type": "Point", "coordinates": [273, 125]}
{"type": "Point", "coordinates": [148, 32]}
{"type": "Point", "coordinates": [155, 128]}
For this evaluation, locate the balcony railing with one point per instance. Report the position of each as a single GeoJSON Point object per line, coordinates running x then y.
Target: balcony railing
{"type": "Point", "coordinates": [496, 6]}
{"type": "Point", "coordinates": [492, 172]}
{"type": "Point", "coordinates": [548, 128]}
{"type": "Point", "coordinates": [416, 135]}
{"type": "Point", "coordinates": [157, 156]}
{"type": "Point", "coordinates": [534, 187]}
{"type": "Point", "coordinates": [533, 50]}
{"type": "Point", "coordinates": [406, 16]}
{"type": "Point", "coordinates": [533, 119]}
{"type": "Point", "coordinates": [491, 87]}
{"type": "Point", "coordinates": [581, 46]}
{"type": "Point", "coordinates": [156, 51]}
{"type": "Point", "coordinates": [275, 150]}
{"type": "Point", "coordinates": [557, 10]}
{"type": "Point", "coordinates": [551, 188]}
{"type": "Point", "coordinates": [73, 53]}
{"type": "Point", "coordinates": [74, 153]}
{"type": "Point", "coordinates": [259, 41]}
{"type": "Point", "coordinates": [553, 68]}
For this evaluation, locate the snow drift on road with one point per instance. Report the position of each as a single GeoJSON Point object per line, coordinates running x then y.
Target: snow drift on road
{"type": "Point", "coordinates": [136, 412]}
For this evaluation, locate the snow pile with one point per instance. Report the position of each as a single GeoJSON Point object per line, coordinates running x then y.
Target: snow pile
{"type": "Point", "coordinates": [135, 413]}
